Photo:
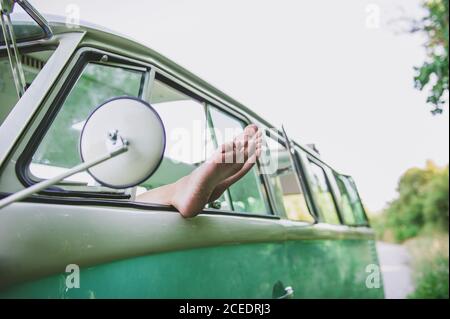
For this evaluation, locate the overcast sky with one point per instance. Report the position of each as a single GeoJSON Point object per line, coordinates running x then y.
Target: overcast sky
{"type": "Point", "coordinates": [335, 73]}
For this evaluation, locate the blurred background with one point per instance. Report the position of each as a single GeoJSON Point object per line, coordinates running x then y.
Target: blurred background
{"type": "Point", "coordinates": [365, 81]}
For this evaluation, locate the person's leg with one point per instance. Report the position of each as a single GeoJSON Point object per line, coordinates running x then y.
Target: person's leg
{"type": "Point", "coordinates": [191, 193]}
{"type": "Point", "coordinates": [160, 195]}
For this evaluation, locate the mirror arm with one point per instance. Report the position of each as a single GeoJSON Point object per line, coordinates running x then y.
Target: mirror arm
{"type": "Point", "coordinates": [6, 8]}
{"type": "Point", "coordinates": [116, 145]}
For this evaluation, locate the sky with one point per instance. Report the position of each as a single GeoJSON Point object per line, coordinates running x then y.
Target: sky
{"type": "Point", "coordinates": [335, 73]}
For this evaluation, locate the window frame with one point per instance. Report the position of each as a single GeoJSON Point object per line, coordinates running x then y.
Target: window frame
{"type": "Point", "coordinates": [299, 167]}
{"type": "Point", "coordinates": [210, 123]}
{"type": "Point", "coordinates": [82, 57]}
{"type": "Point", "coordinates": [299, 170]}
{"type": "Point", "coordinates": [339, 196]}
{"type": "Point", "coordinates": [325, 170]}
{"type": "Point", "coordinates": [194, 89]}
{"type": "Point", "coordinates": [366, 219]}
{"type": "Point", "coordinates": [202, 97]}
{"type": "Point", "coordinates": [262, 177]}
{"type": "Point", "coordinates": [300, 155]}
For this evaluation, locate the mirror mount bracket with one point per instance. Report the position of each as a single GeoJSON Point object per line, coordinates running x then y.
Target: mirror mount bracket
{"type": "Point", "coordinates": [115, 143]}
{"type": "Point", "coordinates": [7, 6]}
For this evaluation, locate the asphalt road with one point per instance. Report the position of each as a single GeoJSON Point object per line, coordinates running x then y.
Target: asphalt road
{"type": "Point", "coordinates": [396, 270]}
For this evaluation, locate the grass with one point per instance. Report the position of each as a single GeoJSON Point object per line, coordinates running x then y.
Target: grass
{"type": "Point", "coordinates": [430, 256]}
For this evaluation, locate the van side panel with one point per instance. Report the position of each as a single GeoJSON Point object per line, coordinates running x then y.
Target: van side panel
{"type": "Point", "coordinates": [319, 269]}
{"type": "Point", "coordinates": [126, 252]}
{"type": "Point", "coordinates": [340, 268]}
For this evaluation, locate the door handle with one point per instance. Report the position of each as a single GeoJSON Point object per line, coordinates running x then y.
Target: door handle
{"type": "Point", "coordinates": [289, 293]}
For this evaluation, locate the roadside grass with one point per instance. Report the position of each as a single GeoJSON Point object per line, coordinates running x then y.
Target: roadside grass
{"type": "Point", "coordinates": [430, 255]}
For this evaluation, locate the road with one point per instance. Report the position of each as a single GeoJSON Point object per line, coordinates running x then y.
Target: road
{"type": "Point", "coordinates": [396, 269]}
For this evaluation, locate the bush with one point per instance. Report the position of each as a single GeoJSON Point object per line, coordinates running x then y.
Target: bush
{"type": "Point", "coordinates": [431, 266]}
{"type": "Point", "coordinates": [432, 280]}
{"type": "Point", "coordinates": [423, 203]}
{"type": "Point", "coordinates": [435, 206]}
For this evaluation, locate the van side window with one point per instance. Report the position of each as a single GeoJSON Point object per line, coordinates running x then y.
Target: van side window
{"type": "Point", "coordinates": [351, 205]}
{"type": "Point", "coordinates": [58, 150]}
{"type": "Point", "coordinates": [287, 192]}
{"type": "Point", "coordinates": [322, 194]}
{"type": "Point", "coordinates": [32, 63]}
{"type": "Point", "coordinates": [184, 120]}
{"type": "Point", "coordinates": [344, 201]}
{"type": "Point", "coordinates": [247, 194]}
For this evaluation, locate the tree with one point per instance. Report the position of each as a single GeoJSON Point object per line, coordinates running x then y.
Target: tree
{"type": "Point", "coordinates": [435, 204]}
{"type": "Point", "coordinates": [422, 201]}
{"type": "Point", "coordinates": [434, 71]}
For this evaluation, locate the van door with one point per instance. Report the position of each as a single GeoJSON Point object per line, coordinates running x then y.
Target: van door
{"type": "Point", "coordinates": [82, 240]}
{"type": "Point", "coordinates": [91, 249]}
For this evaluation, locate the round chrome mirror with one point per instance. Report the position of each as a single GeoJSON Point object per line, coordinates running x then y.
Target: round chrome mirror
{"type": "Point", "coordinates": [126, 120]}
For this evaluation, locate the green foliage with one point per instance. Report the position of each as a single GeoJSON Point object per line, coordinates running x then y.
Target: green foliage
{"type": "Point", "coordinates": [429, 255]}
{"type": "Point", "coordinates": [378, 224]}
{"type": "Point", "coordinates": [422, 203]}
{"type": "Point", "coordinates": [432, 280]}
{"type": "Point", "coordinates": [434, 70]}
{"type": "Point", "coordinates": [435, 207]}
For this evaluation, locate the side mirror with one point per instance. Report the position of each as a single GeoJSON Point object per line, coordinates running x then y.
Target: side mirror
{"type": "Point", "coordinates": [122, 144]}
{"type": "Point", "coordinates": [123, 120]}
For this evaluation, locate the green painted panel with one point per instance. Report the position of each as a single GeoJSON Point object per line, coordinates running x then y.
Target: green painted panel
{"type": "Point", "coordinates": [314, 268]}
{"type": "Point", "coordinates": [332, 268]}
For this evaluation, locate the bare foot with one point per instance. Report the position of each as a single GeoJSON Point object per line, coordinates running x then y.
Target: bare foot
{"type": "Point", "coordinates": [251, 161]}
{"type": "Point", "coordinates": [225, 167]}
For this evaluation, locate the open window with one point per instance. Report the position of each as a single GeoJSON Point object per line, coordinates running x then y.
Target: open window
{"type": "Point", "coordinates": [195, 129]}
{"type": "Point", "coordinates": [246, 195]}
{"type": "Point", "coordinates": [184, 118]}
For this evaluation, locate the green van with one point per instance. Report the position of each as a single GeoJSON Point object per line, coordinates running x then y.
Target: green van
{"type": "Point", "coordinates": [297, 231]}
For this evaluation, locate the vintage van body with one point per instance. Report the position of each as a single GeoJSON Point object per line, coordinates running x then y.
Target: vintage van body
{"type": "Point", "coordinates": [297, 231]}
